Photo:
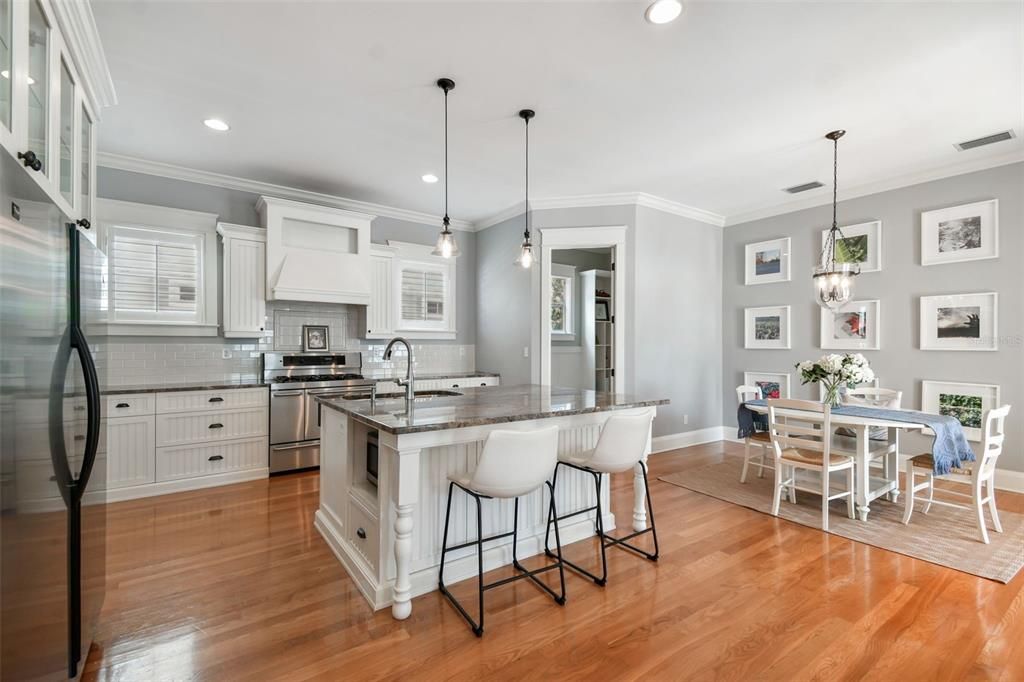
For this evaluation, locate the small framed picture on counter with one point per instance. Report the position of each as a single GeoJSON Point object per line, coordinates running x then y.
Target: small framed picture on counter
{"type": "Point", "coordinates": [315, 337]}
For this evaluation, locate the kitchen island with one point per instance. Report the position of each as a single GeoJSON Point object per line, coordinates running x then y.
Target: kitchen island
{"type": "Point", "coordinates": [388, 535]}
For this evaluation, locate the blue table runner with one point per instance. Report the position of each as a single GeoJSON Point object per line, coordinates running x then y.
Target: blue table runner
{"type": "Point", "coordinates": [950, 449]}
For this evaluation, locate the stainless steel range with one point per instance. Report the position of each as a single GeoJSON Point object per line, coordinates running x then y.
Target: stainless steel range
{"type": "Point", "coordinates": [296, 380]}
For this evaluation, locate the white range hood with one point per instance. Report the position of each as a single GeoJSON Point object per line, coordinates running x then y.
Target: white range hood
{"type": "Point", "coordinates": [316, 253]}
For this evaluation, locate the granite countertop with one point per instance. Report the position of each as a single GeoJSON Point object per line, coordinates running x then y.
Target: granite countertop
{"type": "Point", "coordinates": [389, 375]}
{"type": "Point", "coordinates": [172, 386]}
{"type": "Point", "coordinates": [483, 406]}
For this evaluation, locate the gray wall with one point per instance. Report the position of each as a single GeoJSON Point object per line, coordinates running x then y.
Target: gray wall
{"type": "Point", "coordinates": [899, 364]}
{"type": "Point", "coordinates": [233, 206]}
{"type": "Point", "coordinates": [673, 330]}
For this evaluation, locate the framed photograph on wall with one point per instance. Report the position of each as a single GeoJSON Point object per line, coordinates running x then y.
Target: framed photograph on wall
{"type": "Point", "coordinates": [960, 322]}
{"type": "Point", "coordinates": [767, 262]}
{"type": "Point", "coordinates": [855, 326]}
{"type": "Point", "coordinates": [772, 384]}
{"type": "Point", "coordinates": [315, 337]}
{"type": "Point", "coordinates": [967, 402]}
{"type": "Point", "coordinates": [861, 244]}
{"type": "Point", "coordinates": [766, 327]}
{"type": "Point", "coordinates": [960, 233]}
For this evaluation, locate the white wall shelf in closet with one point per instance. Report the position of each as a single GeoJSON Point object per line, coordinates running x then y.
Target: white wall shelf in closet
{"type": "Point", "coordinates": [244, 280]}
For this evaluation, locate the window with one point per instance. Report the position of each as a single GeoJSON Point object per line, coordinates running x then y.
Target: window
{"type": "Point", "coordinates": [426, 291]}
{"type": "Point", "coordinates": [422, 295]}
{"type": "Point", "coordinates": [156, 275]}
{"type": "Point", "coordinates": [162, 265]}
{"type": "Point", "coordinates": [563, 321]}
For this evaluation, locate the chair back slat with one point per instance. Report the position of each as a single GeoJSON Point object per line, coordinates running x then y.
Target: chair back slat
{"type": "Point", "coordinates": [994, 435]}
{"type": "Point", "coordinates": [745, 393]}
{"type": "Point", "coordinates": [802, 424]}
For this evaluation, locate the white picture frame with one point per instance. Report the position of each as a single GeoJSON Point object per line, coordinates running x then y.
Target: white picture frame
{"type": "Point", "coordinates": [947, 324]}
{"type": "Point", "coordinates": [760, 378]}
{"type": "Point", "coordinates": [767, 327]}
{"type": "Point", "coordinates": [857, 325]}
{"type": "Point", "coordinates": [960, 233]}
{"type": "Point", "coordinates": [862, 237]}
{"type": "Point", "coordinates": [940, 397]}
{"type": "Point", "coordinates": [767, 262]}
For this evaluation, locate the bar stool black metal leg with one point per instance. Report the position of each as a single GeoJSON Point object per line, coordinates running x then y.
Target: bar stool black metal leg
{"type": "Point", "coordinates": [558, 545]}
{"type": "Point", "coordinates": [551, 513]}
{"type": "Point", "coordinates": [650, 513]}
{"type": "Point", "coordinates": [444, 538]}
{"type": "Point", "coordinates": [599, 523]}
{"type": "Point", "coordinates": [479, 629]}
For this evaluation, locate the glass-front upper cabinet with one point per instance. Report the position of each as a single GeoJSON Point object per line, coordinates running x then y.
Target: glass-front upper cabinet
{"type": "Point", "coordinates": [66, 149]}
{"type": "Point", "coordinates": [85, 164]}
{"type": "Point", "coordinates": [7, 68]}
{"type": "Point", "coordinates": [38, 82]}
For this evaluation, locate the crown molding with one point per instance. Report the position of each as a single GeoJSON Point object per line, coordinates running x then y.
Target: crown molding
{"type": "Point", "coordinates": [78, 26]}
{"type": "Point", "coordinates": [895, 182]}
{"type": "Point", "coordinates": [166, 170]}
{"type": "Point", "coordinates": [612, 199]}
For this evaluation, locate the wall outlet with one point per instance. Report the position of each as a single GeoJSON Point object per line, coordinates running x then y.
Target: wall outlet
{"type": "Point", "coordinates": [225, 354]}
{"type": "Point", "coordinates": [686, 419]}
{"type": "Point", "coordinates": [526, 351]}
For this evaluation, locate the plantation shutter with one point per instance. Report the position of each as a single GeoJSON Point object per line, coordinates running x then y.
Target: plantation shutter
{"type": "Point", "coordinates": [423, 294]}
{"type": "Point", "coordinates": [156, 274]}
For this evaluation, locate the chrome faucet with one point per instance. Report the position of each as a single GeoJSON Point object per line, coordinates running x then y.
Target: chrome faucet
{"type": "Point", "coordinates": [409, 383]}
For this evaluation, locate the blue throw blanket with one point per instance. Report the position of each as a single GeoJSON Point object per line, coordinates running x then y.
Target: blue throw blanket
{"type": "Point", "coordinates": [950, 449]}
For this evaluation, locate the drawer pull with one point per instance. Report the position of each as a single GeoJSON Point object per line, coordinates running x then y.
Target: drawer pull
{"type": "Point", "coordinates": [215, 400]}
{"type": "Point", "coordinates": [119, 405]}
{"type": "Point", "coordinates": [214, 458]}
{"type": "Point", "coordinates": [455, 385]}
{"type": "Point", "coordinates": [361, 533]}
{"type": "Point", "coordinates": [483, 383]}
{"type": "Point", "coordinates": [218, 425]}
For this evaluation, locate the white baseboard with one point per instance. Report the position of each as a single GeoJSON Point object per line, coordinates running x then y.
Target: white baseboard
{"type": "Point", "coordinates": [674, 441]}
{"type": "Point", "coordinates": [1011, 481]}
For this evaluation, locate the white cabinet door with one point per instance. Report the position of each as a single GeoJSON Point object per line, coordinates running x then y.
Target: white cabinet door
{"type": "Point", "coordinates": [131, 451]}
{"type": "Point", "coordinates": [244, 280]}
{"type": "Point", "coordinates": [379, 313]}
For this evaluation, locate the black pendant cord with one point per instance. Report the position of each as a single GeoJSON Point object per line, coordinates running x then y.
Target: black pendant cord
{"type": "Point", "coordinates": [446, 220]}
{"type": "Point", "coordinates": [526, 199]}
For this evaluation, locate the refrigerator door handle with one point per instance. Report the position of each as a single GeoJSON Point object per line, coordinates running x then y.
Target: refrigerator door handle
{"type": "Point", "coordinates": [92, 401]}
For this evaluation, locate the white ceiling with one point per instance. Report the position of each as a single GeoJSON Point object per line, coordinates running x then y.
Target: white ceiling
{"type": "Point", "coordinates": [719, 110]}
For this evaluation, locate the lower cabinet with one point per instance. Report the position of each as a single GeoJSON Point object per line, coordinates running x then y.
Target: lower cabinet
{"type": "Point", "coordinates": [130, 443]}
{"type": "Point", "coordinates": [185, 440]}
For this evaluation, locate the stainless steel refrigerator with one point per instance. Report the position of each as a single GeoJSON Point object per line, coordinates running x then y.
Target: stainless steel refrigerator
{"type": "Point", "coordinates": [52, 471]}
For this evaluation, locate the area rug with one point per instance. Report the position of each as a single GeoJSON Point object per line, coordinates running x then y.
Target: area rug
{"type": "Point", "coordinates": [945, 536]}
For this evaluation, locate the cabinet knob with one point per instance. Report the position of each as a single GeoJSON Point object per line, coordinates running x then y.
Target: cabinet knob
{"type": "Point", "coordinates": [214, 458]}
{"type": "Point", "coordinates": [215, 400]}
{"type": "Point", "coordinates": [218, 425]}
{"type": "Point", "coordinates": [30, 160]}
{"type": "Point", "coordinates": [361, 533]}
{"type": "Point", "coordinates": [122, 405]}
{"type": "Point", "coordinates": [455, 385]}
{"type": "Point", "coordinates": [83, 223]}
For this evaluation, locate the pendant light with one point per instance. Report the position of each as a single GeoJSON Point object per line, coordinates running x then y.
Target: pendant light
{"type": "Point", "coordinates": [834, 281]}
{"type": "Point", "coordinates": [526, 250]}
{"type": "Point", "coordinates": [446, 246]}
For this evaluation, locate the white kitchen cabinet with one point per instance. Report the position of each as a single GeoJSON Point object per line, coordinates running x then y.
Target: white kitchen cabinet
{"type": "Point", "coordinates": [244, 280]}
{"type": "Point", "coordinates": [380, 310]}
{"type": "Point", "coordinates": [130, 451]}
{"type": "Point", "coordinates": [47, 115]}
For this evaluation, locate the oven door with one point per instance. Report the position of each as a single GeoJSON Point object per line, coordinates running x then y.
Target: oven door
{"type": "Point", "coordinates": [313, 408]}
{"type": "Point", "coordinates": [287, 416]}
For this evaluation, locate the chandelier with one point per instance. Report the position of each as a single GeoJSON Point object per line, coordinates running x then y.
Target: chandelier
{"type": "Point", "coordinates": [834, 281]}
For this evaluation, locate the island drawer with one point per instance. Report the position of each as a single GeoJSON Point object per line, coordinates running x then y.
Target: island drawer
{"type": "Point", "coordinates": [202, 427]}
{"type": "Point", "coordinates": [213, 458]}
{"type": "Point", "coordinates": [211, 401]}
{"type": "Point", "coordinates": [363, 533]}
{"type": "Point", "coordinates": [131, 405]}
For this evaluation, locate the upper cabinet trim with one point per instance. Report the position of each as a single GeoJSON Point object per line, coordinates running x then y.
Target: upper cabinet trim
{"type": "Point", "coordinates": [78, 27]}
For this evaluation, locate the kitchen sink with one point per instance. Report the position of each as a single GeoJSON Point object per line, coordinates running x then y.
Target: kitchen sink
{"type": "Point", "coordinates": [420, 395]}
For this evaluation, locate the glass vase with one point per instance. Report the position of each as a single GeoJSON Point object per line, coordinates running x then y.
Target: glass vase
{"type": "Point", "coordinates": [831, 397]}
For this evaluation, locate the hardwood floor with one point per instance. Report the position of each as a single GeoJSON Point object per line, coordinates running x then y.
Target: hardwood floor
{"type": "Point", "coordinates": [234, 583]}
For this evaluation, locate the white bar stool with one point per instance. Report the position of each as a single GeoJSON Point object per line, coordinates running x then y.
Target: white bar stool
{"type": "Point", "coordinates": [620, 447]}
{"type": "Point", "coordinates": [512, 464]}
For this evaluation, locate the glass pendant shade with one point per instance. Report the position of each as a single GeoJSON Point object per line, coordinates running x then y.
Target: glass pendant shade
{"type": "Point", "coordinates": [834, 284]}
{"type": "Point", "coordinates": [446, 246]}
{"type": "Point", "coordinates": [525, 258]}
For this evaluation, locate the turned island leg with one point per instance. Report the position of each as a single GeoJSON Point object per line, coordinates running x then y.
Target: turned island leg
{"type": "Point", "coordinates": [639, 491]}
{"type": "Point", "coordinates": [407, 478]}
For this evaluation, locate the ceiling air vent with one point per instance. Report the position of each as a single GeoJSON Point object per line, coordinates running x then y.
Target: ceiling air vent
{"type": "Point", "coordinates": [982, 141]}
{"type": "Point", "coordinates": [796, 189]}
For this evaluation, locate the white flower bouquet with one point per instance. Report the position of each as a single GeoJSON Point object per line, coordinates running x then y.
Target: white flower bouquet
{"type": "Point", "coordinates": [833, 371]}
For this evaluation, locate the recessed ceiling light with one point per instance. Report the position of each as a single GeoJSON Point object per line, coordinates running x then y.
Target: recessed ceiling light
{"type": "Point", "coordinates": [430, 178]}
{"type": "Point", "coordinates": [663, 11]}
{"type": "Point", "coordinates": [216, 124]}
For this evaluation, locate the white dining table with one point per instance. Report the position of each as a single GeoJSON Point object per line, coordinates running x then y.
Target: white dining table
{"type": "Point", "coordinates": [868, 488]}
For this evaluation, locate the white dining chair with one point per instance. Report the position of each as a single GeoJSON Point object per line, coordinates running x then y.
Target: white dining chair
{"type": "Point", "coordinates": [760, 439]}
{"type": "Point", "coordinates": [983, 491]}
{"type": "Point", "coordinates": [796, 428]}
